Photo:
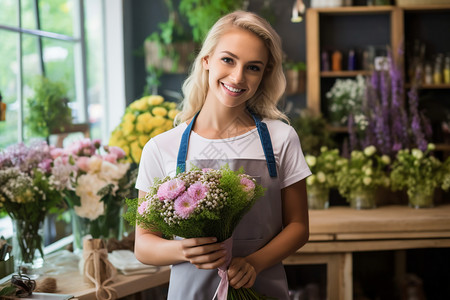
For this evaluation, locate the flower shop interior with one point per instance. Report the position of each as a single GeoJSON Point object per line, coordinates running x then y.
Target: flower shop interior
{"type": "Point", "coordinates": [85, 84]}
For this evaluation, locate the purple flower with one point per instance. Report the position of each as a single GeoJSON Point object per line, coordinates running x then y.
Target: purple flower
{"type": "Point", "coordinates": [169, 190]}
{"type": "Point", "coordinates": [184, 205]}
{"type": "Point", "coordinates": [247, 184]}
{"type": "Point", "coordinates": [197, 191]}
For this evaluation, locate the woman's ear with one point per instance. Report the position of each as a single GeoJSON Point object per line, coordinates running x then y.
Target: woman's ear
{"type": "Point", "coordinates": [205, 62]}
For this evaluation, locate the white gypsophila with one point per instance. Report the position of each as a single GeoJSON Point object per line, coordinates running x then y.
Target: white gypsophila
{"type": "Point", "coordinates": [87, 187]}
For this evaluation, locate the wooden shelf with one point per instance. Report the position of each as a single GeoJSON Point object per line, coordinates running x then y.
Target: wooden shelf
{"type": "Point", "coordinates": [354, 10]}
{"type": "Point", "coordinates": [442, 147]}
{"type": "Point", "coordinates": [337, 129]}
{"type": "Point", "coordinates": [345, 73]}
{"type": "Point", "coordinates": [425, 7]}
{"type": "Point", "coordinates": [441, 86]}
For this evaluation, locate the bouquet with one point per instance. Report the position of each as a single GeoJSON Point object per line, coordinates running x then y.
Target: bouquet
{"type": "Point", "coordinates": [416, 171]}
{"type": "Point", "coordinates": [198, 203]}
{"type": "Point", "coordinates": [143, 119]}
{"type": "Point", "coordinates": [94, 180]}
{"type": "Point", "coordinates": [27, 195]}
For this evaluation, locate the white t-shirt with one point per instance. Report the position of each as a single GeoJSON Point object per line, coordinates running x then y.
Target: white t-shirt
{"type": "Point", "coordinates": [159, 156]}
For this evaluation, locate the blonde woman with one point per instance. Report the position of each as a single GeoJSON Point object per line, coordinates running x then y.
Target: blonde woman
{"type": "Point", "coordinates": [230, 116]}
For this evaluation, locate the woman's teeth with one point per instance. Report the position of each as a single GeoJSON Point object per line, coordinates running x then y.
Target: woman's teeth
{"type": "Point", "coordinates": [232, 89]}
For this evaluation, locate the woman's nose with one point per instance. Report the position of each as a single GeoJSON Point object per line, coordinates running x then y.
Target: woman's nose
{"type": "Point", "coordinates": [238, 74]}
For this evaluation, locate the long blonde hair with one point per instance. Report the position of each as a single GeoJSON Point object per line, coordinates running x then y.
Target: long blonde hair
{"type": "Point", "coordinates": [264, 101]}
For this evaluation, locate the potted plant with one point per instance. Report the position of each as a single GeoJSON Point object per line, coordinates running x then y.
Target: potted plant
{"type": "Point", "coordinates": [419, 173]}
{"type": "Point", "coordinates": [48, 109]}
{"type": "Point", "coordinates": [359, 178]}
{"type": "Point", "coordinates": [324, 169]}
{"type": "Point", "coordinates": [295, 77]}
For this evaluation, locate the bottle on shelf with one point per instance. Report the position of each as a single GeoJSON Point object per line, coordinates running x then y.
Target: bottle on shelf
{"type": "Point", "coordinates": [437, 73]}
{"type": "Point", "coordinates": [428, 76]}
{"type": "Point", "coordinates": [336, 61]}
{"type": "Point", "coordinates": [447, 69]}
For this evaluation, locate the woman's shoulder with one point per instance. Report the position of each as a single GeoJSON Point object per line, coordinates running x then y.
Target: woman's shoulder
{"type": "Point", "coordinates": [280, 131]}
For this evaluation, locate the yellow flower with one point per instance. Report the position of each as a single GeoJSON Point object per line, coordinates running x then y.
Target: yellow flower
{"type": "Point", "coordinates": [158, 121]}
{"type": "Point", "coordinates": [157, 131]}
{"type": "Point", "coordinates": [140, 104]}
{"type": "Point", "coordinates": [159, 111]}
{"type": "Point", "coordinates": [136, 151]}
{"type": "Point", "coordinates": [155, 100]}
{"type": "Point", "coordinates": [129, 117]}
{"type": "Point", "coordinates": [140, 127]}
{"type": "Point", "coordinates": [127, 128]}
{"type": "Point", "coordinates": [173, 113]}
{"type": "Point", "coordinates": [143, 139]}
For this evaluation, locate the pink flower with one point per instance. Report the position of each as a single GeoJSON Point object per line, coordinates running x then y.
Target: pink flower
{"type": "Point", "coordinates": [171, 189]}
{"type": "Point", "coordinates": [247, 184]}
{"type": "Point", "coordinates": [46, 165]}
{"type": "Point", "coordinates": [82, 163]}
{"type": "Point", "coordinates": [184, 205]}
{"type": "Point", "coordinates": [57, 152]}
{"type": "Point", "coordinates": [205, 170]}
{"type": "Point", "coordinates": [143, 207]}
{"type": "Point", "coordinates": [116, 151]}
{"type": "Point", "coordinates": [197, 191]}
{"type": "Point", "coordinates": [110, 157]}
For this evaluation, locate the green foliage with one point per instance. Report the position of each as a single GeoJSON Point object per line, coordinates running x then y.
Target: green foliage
{"type": "Point", "coordinates": [296, 66]}
{"type": "Point", "coordinates": [202, 14]}
{"type": "Point", "coordinates": [48, 109]}
{"type": "Point", "coordinates": [313, 132]}
{"type": "Point", "coordinates": [324, 168]}
{"type": "Point", "coordinates": [365, 170]}
{"type": "Point", "coordinates": [416, 171]}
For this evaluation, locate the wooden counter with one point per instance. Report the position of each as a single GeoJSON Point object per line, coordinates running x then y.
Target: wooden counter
{"type": "Point", "coordinates": [337, 232]}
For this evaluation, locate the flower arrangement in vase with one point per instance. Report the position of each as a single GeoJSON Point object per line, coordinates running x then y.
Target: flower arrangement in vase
{"type": "Point", "coordinates": [360, 177]}
{"type": "Point", "coordinates": [143, 119]}
{"type": "Point", "coordinates": [346, 96]}
{"type": "Point", "coordinates": [324, 169]}
{"type": "Point", "coordinates": [95, 179]}
{"type": "Point", "coordinates": [27, 194]}
{"type": "Point", "coordinates": [419, 173]}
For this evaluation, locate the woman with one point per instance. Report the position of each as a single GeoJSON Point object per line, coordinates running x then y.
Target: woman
{"type": "Point", "coordinates": [236, 81]}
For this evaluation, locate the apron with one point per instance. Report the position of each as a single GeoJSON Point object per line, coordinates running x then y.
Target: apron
{"type": "Point", "coordinates": [259, 226]}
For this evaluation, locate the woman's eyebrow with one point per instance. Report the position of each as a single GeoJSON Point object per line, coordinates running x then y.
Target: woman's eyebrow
{"type": "Point", "coordinates": [235, 56]}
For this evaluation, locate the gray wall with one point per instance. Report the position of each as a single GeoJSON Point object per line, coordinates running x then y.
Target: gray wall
{"type": "Point", "coordinates": [142, 16]}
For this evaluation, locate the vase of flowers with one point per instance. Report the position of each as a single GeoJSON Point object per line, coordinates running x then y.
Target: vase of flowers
{"type": "Point", "coordinates": [95, 179]}
{"type": "Point", "coordinates": [143, 119]}
{"type": "Point", "coordinates": [346, 96]}
{"type": "Point", "coordinates": [362, 175]}
{"type": "Point", "coordinates": [27, 194]}
{"type": "Point", "coordinates": [323, 168]}
{"type": "Point", "coordinates": [419, 173]}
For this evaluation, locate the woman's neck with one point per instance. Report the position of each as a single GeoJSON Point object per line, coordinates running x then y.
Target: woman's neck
{"type": "Point", "coordinates": [215, 122]}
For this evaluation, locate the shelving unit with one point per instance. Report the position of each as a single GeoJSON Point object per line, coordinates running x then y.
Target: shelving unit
{"type": "Point", "coordinates": [326, 26]}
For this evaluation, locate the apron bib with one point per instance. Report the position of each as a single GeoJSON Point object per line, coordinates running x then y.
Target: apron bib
{"type": "Point", "coordinates": [256, 229]}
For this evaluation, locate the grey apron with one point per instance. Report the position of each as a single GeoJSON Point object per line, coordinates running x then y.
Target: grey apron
{"type": "Point", "coordinates": [260, 225]}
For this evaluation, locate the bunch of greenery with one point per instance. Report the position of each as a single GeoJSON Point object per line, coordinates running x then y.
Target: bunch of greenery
{"type": "Point", "coordinates": [48, 109]}
{"type": "Point", "coordinates": [416, 171]}
{"type": "Point", "coordinates": [313, 132]}
{"type": "Point", "coordinates": [364, 170]}
{"type": "Point", "coordinates": [324, 168]}
{"type": "Point", "coordinates": [446, 174]}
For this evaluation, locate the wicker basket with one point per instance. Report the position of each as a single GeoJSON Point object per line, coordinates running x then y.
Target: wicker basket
{"type": "Point", "coordinates": [421, 2]}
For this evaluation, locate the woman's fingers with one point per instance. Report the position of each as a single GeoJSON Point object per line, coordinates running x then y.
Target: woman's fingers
{"type": "Point", "coordinates": [241, 273]}
{"type": "Point", "coordinates": [204, 253]}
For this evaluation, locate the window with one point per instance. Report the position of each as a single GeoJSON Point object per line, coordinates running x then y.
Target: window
{"type": "Point", "coordinates": [62, 40]}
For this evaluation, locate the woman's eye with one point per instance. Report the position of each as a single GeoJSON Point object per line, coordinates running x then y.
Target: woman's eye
{"type": "Point", "coordinates": [254, 68]}
{"type": "Point", "coordinates": [227, 60]}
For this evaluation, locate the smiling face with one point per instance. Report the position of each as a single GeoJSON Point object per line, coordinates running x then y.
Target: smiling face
{"type": "Point", "coordinates": [236, 67]}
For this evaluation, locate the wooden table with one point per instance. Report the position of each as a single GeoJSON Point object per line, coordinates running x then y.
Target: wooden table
{"type": "Point", "coordinates": [337, 232]}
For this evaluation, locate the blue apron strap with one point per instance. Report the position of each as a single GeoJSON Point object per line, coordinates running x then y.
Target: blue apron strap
{"type": "Point", "coordinates": [266, 143]}
{"type": "Point", "coordinates": [264, 136]}
{"type": "Point", "coordinates": [184, 144]}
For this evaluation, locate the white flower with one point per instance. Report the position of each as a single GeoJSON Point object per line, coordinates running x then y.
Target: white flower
{"type": "Point", "coordinates": [321, 177]}
{"type": "Point", "coordinates": [311, 180]}
{"type": "Point", "coordinates": [370, 150]}
{"type": "Point", "coordinates": [367, 180]}
{"type": "Point", "coordinates": [91, 208]}
{"type": "Point", "coordinates": [87, 187]}
{"type": "Point", "coordinates": [417, 153]}
{"type": "Point", "coordinates": [311, 160]}
{"type": "Point", "coordinates": [95, 163]}
{"type": "Point", "coordinates": [386, 159]}
{"type": "Point", "coordinates": [431, 146]}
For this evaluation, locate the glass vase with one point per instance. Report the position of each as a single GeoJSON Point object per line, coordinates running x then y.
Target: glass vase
{"type": "Point", "coordinates": [106, 226]}
{"type": "Point", "coordinates": [421, 200]}
{"type": "Point", "coordinates": [363, 199]}
{"type": "Point", "coordinates": [318, 197]}
{"type": "Point", "coordinates": [28, 245]}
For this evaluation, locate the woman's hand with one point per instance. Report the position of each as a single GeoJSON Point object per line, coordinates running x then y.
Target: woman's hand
{"type": "Point", "coordinates": [241, 273]}
{"type": "Point", "coordinates": [204, 253]}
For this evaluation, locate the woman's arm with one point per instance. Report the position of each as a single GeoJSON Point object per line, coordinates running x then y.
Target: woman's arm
{"type": "Point", "coordinates": [242, 271]}
{"type": "Point", "coordinates": [151, 248]}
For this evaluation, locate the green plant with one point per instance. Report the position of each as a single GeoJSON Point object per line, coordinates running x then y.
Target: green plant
{"type": "Point", "coordinates": [296, 66]}
{"type": "Point", "coordinates": [416, 171]}
{"type": "Point", "coordinates": [364, 170]}
{"type": "Point", "coordinates": [48, 109]}
{"type": "Point", "coordinates": [312, 131]}
{"type": "Point", "coordinates": [202, 14]}
{"type": "Point", "coordinates": [324, 168]}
